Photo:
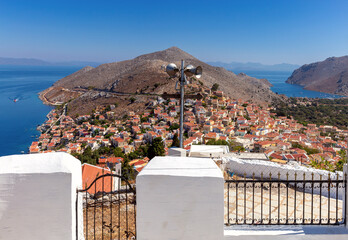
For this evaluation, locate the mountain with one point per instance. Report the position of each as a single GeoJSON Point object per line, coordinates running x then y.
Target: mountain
{"type": "Point", "coordinates": [250, 66]}
{"type": "Point", "coordinates": [38, 62]}
{"type": "Point", "coordinates": [329, 76]}
{"type": "Point", "coordinates": [22, 61]}
{"type": "Point", "coordinates": [144, 75]}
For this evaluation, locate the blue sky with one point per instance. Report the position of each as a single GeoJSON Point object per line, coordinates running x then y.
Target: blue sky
{"type": "Point", "coordinates": [269, 32]}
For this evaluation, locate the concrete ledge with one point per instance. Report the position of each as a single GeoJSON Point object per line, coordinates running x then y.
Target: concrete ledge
{"type": "Point", "coordinates": [285, 232]}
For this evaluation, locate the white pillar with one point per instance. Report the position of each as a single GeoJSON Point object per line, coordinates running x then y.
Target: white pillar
{"type": "Point", "coordinates": [38, 196]}
{"type": "Point", "coordinates": [345, 173]}
{"type": "Point", "coordinates": [180, 198]}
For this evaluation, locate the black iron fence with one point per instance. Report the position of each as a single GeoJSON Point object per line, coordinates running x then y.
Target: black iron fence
{"type": "Point", "coordinates": [269, 201]}
{"type": "Point", "coordinates": [109, 209]}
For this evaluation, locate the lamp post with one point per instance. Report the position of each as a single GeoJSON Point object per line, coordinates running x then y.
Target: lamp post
{"type": "Point", "coordinates": [189, 71]}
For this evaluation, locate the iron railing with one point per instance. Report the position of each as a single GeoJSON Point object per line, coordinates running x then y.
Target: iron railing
{"type": "Point", "coordinates": [109, 209]}
{"type": "Point", "coordinates": [269, 201]}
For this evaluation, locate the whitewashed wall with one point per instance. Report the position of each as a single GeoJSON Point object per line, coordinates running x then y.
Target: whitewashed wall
{"type": "Point", "coordinates": [180, 198]}
{"type": "Point", "coordinates": [37, 196]}
{"type": "Point", "coordinates": [345, 211]}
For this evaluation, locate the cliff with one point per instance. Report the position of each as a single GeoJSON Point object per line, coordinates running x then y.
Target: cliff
{"type": "Point", "coordinates": [330, 76]}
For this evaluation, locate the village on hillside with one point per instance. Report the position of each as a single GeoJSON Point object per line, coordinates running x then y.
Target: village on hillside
{"type": "Point", "coordinates": [214, 119]}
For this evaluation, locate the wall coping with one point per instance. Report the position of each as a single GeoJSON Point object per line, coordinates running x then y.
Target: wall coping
{"type": "Point", "coordinates": [38, 163]}
{"type": "Point", "coordinates": [182, 166]}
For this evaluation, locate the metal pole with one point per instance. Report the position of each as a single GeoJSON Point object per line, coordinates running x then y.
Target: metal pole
{"type": "Point", "coordinates": [182, 89]}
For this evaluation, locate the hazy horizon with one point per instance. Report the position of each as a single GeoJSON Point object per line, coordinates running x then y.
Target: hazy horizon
{"type": "Point", "coordinates": [96, 62]}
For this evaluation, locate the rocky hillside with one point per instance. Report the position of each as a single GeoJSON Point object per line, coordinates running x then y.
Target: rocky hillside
{"type": "Point", "coordinates": [145, 75]}
{"type": "Point", "coordinates": [330, 76]}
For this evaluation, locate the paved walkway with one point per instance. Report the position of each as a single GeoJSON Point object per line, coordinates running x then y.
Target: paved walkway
{"type": "Point", "coordinates": [276, 203]}
{"type": "Point", "coordinates": [294, 232]}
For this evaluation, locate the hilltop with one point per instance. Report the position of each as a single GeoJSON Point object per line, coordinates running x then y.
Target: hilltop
{"type": "Point", "coordinates": [144, 75]}
{"type": "Point", "coordinates": [329, 76]}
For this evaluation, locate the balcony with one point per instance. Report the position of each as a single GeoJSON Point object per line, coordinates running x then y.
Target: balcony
{"type": "Point", "coordinates": [42, 197]}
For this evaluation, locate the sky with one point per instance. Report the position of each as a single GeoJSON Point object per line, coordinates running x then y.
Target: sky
{"type": "Point", "coordinates": [269, 32]}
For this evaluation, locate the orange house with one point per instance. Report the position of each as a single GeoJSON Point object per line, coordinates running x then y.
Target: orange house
{"type": "Point", "coordinates": [105, 184]}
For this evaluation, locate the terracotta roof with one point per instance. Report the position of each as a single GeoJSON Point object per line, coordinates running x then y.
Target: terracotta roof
{"type": "Point", "coordinates": [90, 173]}
{"type": "Point", "coordinates": [110, 160]}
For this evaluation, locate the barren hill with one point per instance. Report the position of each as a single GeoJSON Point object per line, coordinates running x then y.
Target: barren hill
{"type": "Point", "coordinates": [145, 75]}
{"type": "Point", "coordinates": [330, 76]}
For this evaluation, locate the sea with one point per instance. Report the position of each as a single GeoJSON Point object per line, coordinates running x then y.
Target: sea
{"type": "Point", "coordinates": [21, 111]}
{"type": "Point", "coordinates": [278, 78]}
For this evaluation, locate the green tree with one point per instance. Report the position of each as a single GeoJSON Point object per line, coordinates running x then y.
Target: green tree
{"type": "Point", "coordinates": [217, 142]}
{"type": "Point", "coordinates": [127, 170]}
{"type": "Point", "coordinates": [109, 135]}
{"type": "Point", "coordinates": [307, 149]}
{"type": "Point", "coordinates": [156, 148]}
{"type": "Point", "coordinates": [144, 119]}
{"type": "Point", "coordinates": [176, 141]}
{"type": "Point", "coordinates": [339, 165]}
{"type": "Point", "coordinates": [118, 152]}
{"type": "Point", "coordinates": [343, 155]}
{"type": "Point", "coordinates": [104, 150]}
{"type": "Point", "coordinates": [88, 156]}
{"type": "Point", "coordinates": [174, 126]}
{"type": "Point", "coordinates": [107, 108]}
{"type": "Point", "coordinates": [238, 148]}
{"type": "Point", "coordinates": [132, 99]}
{"type": "Point", "coordinates": [76, 133]}
{"type": "Point", "coordinates": [215, 87]}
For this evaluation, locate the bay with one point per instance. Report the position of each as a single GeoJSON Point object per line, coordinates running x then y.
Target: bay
{"type": "Point", "coordinates": [19, 119]}
{"type": "Point", "coordinates": [278, 78]}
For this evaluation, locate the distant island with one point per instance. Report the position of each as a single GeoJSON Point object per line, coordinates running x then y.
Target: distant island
{"type": "Point", "coordinates": [329, 76]}
{"type": "Point", "coordinates": [251, 66]}
{"type": "Point", "coordinates": [39, 62]}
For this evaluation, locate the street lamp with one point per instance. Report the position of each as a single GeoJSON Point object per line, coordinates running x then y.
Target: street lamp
{"type": "Point", "coordinates": [188, 71]}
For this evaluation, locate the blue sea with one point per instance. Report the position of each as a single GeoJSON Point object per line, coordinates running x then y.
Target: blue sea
{"type": "Point", "coordinates": [279, 86]}
{"type": "Point", "coordinates": [19, 120]}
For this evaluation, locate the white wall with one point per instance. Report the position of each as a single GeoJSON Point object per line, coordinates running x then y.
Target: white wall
{"type": "Point", "coordinates": [176, 152]}
{"type": "Point", "coordinates": [345, 211]}
{"type": "Point", "coordinates": [208, 150]}
{"type": "Point", "coordinates": [180, 198]}
{"type": "Point", "coordinates": [37, 196]}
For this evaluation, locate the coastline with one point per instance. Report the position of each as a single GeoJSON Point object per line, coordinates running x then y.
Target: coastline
{"type": "Point", "coordinates": [43, 98]}
{"type": "Point", "coordinates": [280, 86]}
{"type": "Point", "coordinates": [21, 118]}
{"type": "Point", "coordinates": [307, 89]}
{"type": "Point", "coordinates": [68, 94]}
